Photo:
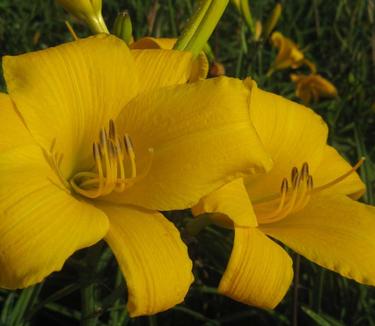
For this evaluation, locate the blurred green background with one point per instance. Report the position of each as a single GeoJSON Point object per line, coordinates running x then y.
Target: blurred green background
{"type": "Point", "coordinates": [339, 36]}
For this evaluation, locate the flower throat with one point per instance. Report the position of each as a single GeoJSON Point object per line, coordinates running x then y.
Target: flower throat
{"type": "Point", "coordinates": [114, 164]}
{"type": "Point", "coordinates": [294, 194]}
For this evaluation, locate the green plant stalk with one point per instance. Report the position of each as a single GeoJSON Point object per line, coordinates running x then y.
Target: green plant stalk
{"type": "Point", "coordinates": [88, 295]}
{"type": "Point", "coordinates": [24, 302]}
{"type": "Point", "coordinates": [88, 305]}
{"type": "Point", "coordinates": [192, 25]}
{"type": "Point", "coordinates": [206, 27]}
{"type": "Point", "coordinates": [246, 12]}
{"type": "Point", "coordinates": [97, 25]}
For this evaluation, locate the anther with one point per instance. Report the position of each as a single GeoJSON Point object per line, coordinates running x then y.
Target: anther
{"type": "Point", "coordinates": [310, 182]}
{"type": "Point", "coordinates": [112, 129]}
{"type": "Point", "coordinates": [284, 186]}
{"type": "Point", "coordinates": [304, 170]}
{"type": "Point", "coordinates": [293, 173]}
{"type": "Point", "coordinates": [128, 145]}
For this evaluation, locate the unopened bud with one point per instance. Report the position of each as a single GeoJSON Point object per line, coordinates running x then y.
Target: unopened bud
{"type": "Point", "coordinates": [258, 30]}
{"type": "Point", "coordinates": [272, 20]}
{"type": "Point", "coordinates": [123, 27]}
{"type": "Point", "coordinates": [89, 11]}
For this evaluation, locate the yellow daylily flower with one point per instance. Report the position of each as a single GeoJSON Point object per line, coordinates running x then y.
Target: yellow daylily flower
{"type": "Point", "coordinates": [201, 65]}
{"type": "Point", "coordinates": [307, 201]}
{"type": "Point", "coordinates": [95, 140]}
{"type": "Point", "coordinates": [313, 87]}
{"type": "Point", "coordinates": [89, 11]}
{"type": "Point", "coordinates": [289, 55]}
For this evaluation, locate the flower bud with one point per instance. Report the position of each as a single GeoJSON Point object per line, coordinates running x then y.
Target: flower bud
{"type": "Point", "coordinates": [123, 27]}
{"type": "Point", "coordinates": [89, 11]}
{"type": "Point", "coordinates": [272, 20]}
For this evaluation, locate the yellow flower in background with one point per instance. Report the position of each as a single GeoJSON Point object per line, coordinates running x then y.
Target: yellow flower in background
{"type": "Point", "coordinates": [289, 55]}
{"type": "Point", "coordinates": [200, 66]}
{"type": "Point", "coordinates": [307, 201]}
{"type": "Point", "coordinates": [89, 11]}
{"type": "Point", "coordinates": [313, 87]}
{"type": "Point", "coordinates": [154, 43]}
{"type": "Point", "coordinates": [95, 140]}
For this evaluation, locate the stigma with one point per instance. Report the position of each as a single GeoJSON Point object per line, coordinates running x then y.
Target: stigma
{"type": "Point", "coordinates": [115, 165]}
{"type": "Point", "coordinates": [295, 193]}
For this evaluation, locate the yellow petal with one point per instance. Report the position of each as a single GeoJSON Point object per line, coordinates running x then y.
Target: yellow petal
{"type": "Point", "coordinates": [335, 232]}
{"type": "Point", "coordinates": [13, 132]}
{"type": "Point", "coordinates": [291, 133]}
{"type": "Point", "coordinates": [332, 167]}
{"type": "Point", "coordinates": [160, 68]}
{"type": "Point", "coordinates": [154, 43]}
{"type": "Point", "coordinates": [231, 200]}
{"type": "Point", "coordinates": [197, 69]}
{"type": "Point", "coordinates": [70, 91]}
{"type": "Point", "coordinates": [259, 271]}
{"type": "Point", "coordinates": [41, 224]}
{"type": "Point", "coordinates": [201, 136]}
{"type": "Point", "coordinates": [152, 257]}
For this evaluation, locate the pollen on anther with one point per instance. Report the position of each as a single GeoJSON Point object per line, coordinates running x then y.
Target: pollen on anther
{"type": "Point", "coordinates": [112, 129]}
{"type": "Point", "coordinates": [305, 170]}
{"type": "Point", "coordinates": [284, 185]}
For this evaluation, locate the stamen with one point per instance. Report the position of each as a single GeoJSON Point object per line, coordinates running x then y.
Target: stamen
{"type": "Point", "coordinates": [293, 199]}
{"type": "Point", "coordinates": [283, 191]}
{"type": "Point", "coordinates": [112, 130]}
{"type": "Point", "coordinates": [295, 177]}
{"type": "Point", "coordinates": [113, 158]}
{"type": "Point", "coordinates": [294, 174]}
{"type": "Point", "coordinates": [296, 198]}
{"type": "Point", "coordinates": [305, 170]}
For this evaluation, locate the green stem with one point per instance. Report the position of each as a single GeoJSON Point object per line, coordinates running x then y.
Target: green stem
{"type": "Point", "coordinates": [207, 26]}
{"type": "Point", "coordinates": [88, 305]}
{"type": "Point", "coordinates": [25, 301]}
{"type": "Point", "coordinates": [88, 294]}
{"type": "Point", "coordinates": [97, 25]}
{"type": "Point", "coordinates": [297, 270]}
{"type": "Point", "coordinates": [192, 25]}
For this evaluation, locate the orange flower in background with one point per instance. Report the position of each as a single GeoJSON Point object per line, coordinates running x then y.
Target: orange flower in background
{"type": "Point", "coordinates": [289, 55]}
{"type": "Point", "coordinates": [313, 87]}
